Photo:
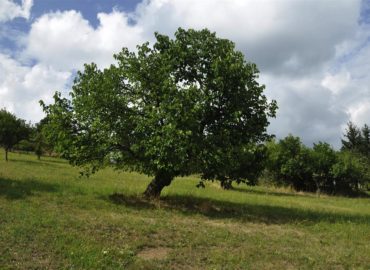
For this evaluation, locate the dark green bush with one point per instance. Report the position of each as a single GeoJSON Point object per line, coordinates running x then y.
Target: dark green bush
{"type": "Point", "coordinates": [320, 168]}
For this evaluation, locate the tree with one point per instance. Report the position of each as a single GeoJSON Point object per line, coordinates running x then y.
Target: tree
{"type": "Point", "coordinates": [186, 105]}
{"type": "Point", "coordinates": [365, 141]}
{"type": "Point", "coordinates": [353, 135]}
{"type": "Point", "coordinates": [323, 159]}
{"type": "Point", "coordinates": [39, 139]}
{"type": "Point", "coordinates": [12, 130]}
{"type": "Point", "coordinates": [351, 172]}
{"type": "Point", "coordinates": [289, 162]}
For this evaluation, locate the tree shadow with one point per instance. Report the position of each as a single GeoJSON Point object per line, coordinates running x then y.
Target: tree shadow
{"type": "Point", "coordinates": [352, 194]}
{"type": "Point", "coordinates": [14, 190]}
{"type": "Point", "coordinates": [48, 159]}
{"type": "Point", "coordinates": [37, 162]}
{"type": "Point", "coordinates": [273, 193]}
{"type": "Point", "coordinates": [244, 212]}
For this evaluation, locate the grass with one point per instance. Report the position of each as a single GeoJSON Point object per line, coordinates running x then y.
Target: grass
{"type": "Point", "coordinates": [52, 219]}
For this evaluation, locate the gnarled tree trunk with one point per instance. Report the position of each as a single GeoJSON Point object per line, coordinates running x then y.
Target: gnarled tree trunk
{"type": "Point", "coordinates": [161, 180]}
{"type": "Point", "coordinates": [6, 154]}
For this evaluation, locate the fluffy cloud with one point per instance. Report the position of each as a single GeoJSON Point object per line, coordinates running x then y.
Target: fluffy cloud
{"type": "Point", "coordinates": [283, 37]}
{"type": "Point", "coordinates": [10, 10]}
{"type": "Point", "coordinates": [280, 36]}
{"type": "Point", "coordinates": [306, 109]}
{"type": "Point", "coordinates": [65, 40]}
{"type": "Point", "coordinates": [21, 87]}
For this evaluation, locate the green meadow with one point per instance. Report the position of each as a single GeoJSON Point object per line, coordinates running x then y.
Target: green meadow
{"type": "Point", "coordinates": [50, 218]}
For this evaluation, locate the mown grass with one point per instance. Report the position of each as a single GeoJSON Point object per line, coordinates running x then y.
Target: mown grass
{"type": "Point", "coordinates": [52, 219]}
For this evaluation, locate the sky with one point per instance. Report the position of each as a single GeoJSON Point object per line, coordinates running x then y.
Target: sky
{"type": "Point", "coordinates": [314, 56]}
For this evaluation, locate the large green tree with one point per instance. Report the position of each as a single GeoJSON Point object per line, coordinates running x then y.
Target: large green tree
{"type": "Point", "coordinates": [12, 130]}
{"type": "Point", "coordinates": [186, 105]}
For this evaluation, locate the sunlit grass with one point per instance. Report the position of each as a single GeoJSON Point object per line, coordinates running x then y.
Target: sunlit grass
{"type": "Point", "coordinates": [52, 219]}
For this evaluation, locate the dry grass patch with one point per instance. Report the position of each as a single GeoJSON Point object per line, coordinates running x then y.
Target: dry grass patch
{"type": "Point", "coordinates": [154, 253]}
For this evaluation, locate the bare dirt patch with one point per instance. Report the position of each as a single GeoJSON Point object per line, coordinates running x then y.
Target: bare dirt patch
{"type": "Point", "coordinates": [155, 253]}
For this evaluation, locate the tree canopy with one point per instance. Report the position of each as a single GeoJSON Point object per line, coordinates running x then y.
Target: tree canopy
{"type": "Point", "coordinates": [357, 139]}
{"type": "Point", "coordinates": [186, 105]}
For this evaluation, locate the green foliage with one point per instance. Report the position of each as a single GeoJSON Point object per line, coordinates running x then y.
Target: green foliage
{"type": "Point", "coordinates": [318, 169]}
{"type": "Point", "coordinates": [187, 105]}
{"type": "Point", "coordinates": [365, 141]}
{"type": "Point", "coordinates": [40, 139]}
{"type": "Point", "coordinates": [12, 130]}
{"type": "Point", "coordinates": [351, 172]}
{"type": "Point", "coordinates": [323, 158]}
{"type": "Point", "coordinates": [352, 139]}
{"type": "Point", "coordinates": [289, 162]}
{"type": "Point", "coordinates": [25, 145]}
{"type": "Point", "coordinates": [358, 140]}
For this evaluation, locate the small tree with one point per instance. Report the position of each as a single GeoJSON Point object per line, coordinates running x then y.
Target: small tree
{"type": "Point", "coordinates": [186, 105]}
{"type": "Point", "coordinates": [323, 159]}
{"type": "Point", "coordinates": [12, 130]}
{"type": "Point", "coordinates": [352, 140]}
{"type": "Point", "coordinates": [40, 139]}
{"type": "Point", "coordinates": [365, 141]}
{"type": "Point", "coordinates": [351, 172]}
{"type": "Point", "coordinates": [290, 163]}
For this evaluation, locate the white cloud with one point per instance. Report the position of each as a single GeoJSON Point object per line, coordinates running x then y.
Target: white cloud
{"type": "Point", "coordinates": [21, 87]}
{"type": "Point", "coordinates": [336, 82]}
{"type": "Point", "coordinates": [10, 10]}
{"type": "Point", "coordinates": [360, 113]}
{"type": "Point", "coordinates": [306, 109]}
{"type": "Point", "coordinates": [280, 36]}
{"type": "Point", "coordinates": [65, 40]}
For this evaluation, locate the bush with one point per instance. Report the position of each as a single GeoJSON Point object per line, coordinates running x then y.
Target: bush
{"type": "Point", "coordinates": [321, 168]}
{"type": "Point", "coordinates": [350, 173]}
{"type": "Point", "coordinates": [289, 162]}
{"type": "Point", "coordinates": [323, 158]}
{"type": "Point", "coordinates": [24, 145]}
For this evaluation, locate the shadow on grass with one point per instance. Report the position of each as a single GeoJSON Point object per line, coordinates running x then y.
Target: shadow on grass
{"type": "Point", "coordinates": [13, 190]}
{"type": "Point", "coordinates": [273, 193]}
{"type": "Point", "coordinates": [37, 162]}
{"type": "Point", "coordinates": [353, 194]}
{"type": "Point", "coordinates": [245, 212]}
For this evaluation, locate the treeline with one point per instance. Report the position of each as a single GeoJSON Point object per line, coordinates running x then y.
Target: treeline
{"type": "Point", "coordinates": [17, 135]}
{"type": "Point", "coordinates": [321, 168]}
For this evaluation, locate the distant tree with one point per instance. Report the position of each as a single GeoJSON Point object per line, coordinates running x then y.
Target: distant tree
{"type": "Point", "coordinates": [352, 140]}
{"type": "Point", "coordinates": [351, 172]}
{"type": "Point", "coordinates": [323, 158]}
{"type": "Point", "coordinates": [12, 130]}
{"type": "Point", "coordinates": [40, 139]}
{"type": "Point", "coordinates": [365, 141]}
{"type": "Point", "coordinates": [186, 105]}
{"type": "Point", "coordinates": [290, 163]}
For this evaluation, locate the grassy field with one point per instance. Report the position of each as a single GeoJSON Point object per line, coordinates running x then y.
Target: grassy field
{"type": "Point", "coordinates": [52, 219]}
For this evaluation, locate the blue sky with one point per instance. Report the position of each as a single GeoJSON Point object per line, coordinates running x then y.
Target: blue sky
{"type": "Point", "coordinates": [314, 56]}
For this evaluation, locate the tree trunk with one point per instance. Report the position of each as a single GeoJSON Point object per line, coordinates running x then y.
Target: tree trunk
{"type": "Point", "coordinates": [6, 154]}
{"type": "Point", "coordinates": [161, 180]}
